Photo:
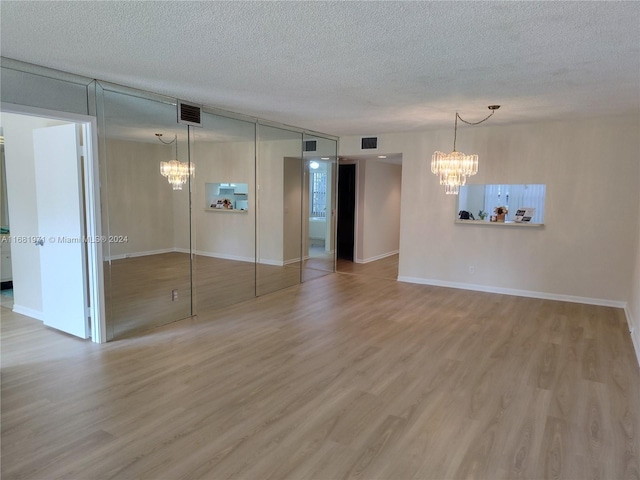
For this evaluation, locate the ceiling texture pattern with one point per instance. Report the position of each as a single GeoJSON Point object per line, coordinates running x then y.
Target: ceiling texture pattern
{"type": "Point", "coordinates": [348, 68]}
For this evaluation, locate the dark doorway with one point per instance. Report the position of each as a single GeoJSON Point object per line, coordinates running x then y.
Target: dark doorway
{"type": "Point", "coordinates": [346, 211]}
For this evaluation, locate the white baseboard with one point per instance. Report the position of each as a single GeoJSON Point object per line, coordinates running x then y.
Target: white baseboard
{"type": "Point", "coordinates": [518, 293]}
{"type": "Point", "coordinates": [181, 250]}
{"type": "Point", "coordinates": [634, 332]}
{"type": "Point", "coordinates": [28, 312]}
{"type": "Point", "coordinates": [275, 263]}
{"type": "Point", "coordinates": [140, 254]}
{"type": "Point", "coordinates": [286, 262]}
{"type": "Point", "coordinates": [223, 256]}
{"type": "Point", "coordinates": [377, 257]}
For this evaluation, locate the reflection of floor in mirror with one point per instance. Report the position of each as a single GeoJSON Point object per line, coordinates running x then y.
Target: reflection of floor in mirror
{"type": "Point", "coordinates": [316, 243]}
{"type": "Point", "coordinates": [6, 298]}
{"type": "Point", "coordinates": [318, 263]}
{"type": "Point", "coordinates": [318, 251]}
{"type": "Point", "coordinates": [141, 287]}
{"type": "Point", "coordinates": [384, 268]}
{"type": "Point", "coordinates": [138, 291]}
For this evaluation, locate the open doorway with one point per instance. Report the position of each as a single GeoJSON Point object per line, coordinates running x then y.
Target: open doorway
{"type": "Point", "coordinates": [368, 237]}
{"type": "Point", "coordinates": [50, 224]}
{"type": "Point", "coordinates": [346, 211]}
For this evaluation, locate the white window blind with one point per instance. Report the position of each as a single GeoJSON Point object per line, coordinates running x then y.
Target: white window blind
{"type": "Point", "coordinates": [514, 197]}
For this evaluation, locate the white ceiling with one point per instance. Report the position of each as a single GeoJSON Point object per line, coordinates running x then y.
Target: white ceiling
{"type": "Point", "coordinates": [348, 67]}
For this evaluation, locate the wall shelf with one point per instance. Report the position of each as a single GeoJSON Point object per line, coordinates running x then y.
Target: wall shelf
{"type": "Point", "coordinates": [499, 224]}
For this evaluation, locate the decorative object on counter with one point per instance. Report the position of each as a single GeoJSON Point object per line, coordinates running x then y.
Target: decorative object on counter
{"type": "Point", "coordinates": [524, 214]}
{"type": "Point", "coordinates": [177, 172]}
{"type": "Point", "coordinates": [500, 212]}
{"type": "Point", "coordinates": [493, 218]}
{"type": "Point", "coordinates": [464, 215]}
{"type": "Point", "coordinates": [482, 215]}
{"type": "Point", "coordinates": [223, 204]}
{"type": "Point", "coordinates": [454, 168]}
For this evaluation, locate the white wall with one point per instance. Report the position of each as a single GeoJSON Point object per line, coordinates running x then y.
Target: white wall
{"type": "Point", "coordinates": [277, 215]}
{"type": "Point", "coordinates": [332, 207]}
{"type": "Point", "coordinates": [143, 206]}
{"type": "Point", "coordinates": [140, 200]}
{"type": "Point", "coordinates": [23, 209]}
{"type": "Point", "coordinates": [155, 218]}
{"type": "Point", "coordinates": [590, 168]}
{"type": "Point", "coordinates": [270, 210]}
{"type": "Point", "coordinates": [379, 216]}
{"type": "Point", "coordinates": [633, 308]}
{"type": "Point", "coordinates": [221, 234]}
{"type": "Point", "coordinates": [292, 217]}
{"type": "Point", "coordinates": [180, 200]}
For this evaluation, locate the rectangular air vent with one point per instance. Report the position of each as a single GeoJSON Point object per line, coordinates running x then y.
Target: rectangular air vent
{"type": "Point", "coordinates": [310, 145]}
{"type": "Point", "coordinates": [189, 114]}
{"type": "Point", "coordinates": [369, 143]}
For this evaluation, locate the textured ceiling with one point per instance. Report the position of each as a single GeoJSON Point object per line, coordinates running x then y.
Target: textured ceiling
{"type": "Point", "coordinates": [348, 67]}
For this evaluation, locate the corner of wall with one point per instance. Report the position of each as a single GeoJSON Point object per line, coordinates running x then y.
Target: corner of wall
{"type": "Point", "coordinates": [633, 331]}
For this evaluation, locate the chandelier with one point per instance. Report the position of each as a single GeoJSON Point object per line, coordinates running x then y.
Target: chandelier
{"type": "Point", "coordinates": [176, 172]}
{"type": "Point", "coordinates": [454, 168]}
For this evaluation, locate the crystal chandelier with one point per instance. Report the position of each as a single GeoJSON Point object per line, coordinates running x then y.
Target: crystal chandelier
{"type": "Point", "coordinates": [176, 172]}
{"type": "Point", "coordinates": [454, 168]}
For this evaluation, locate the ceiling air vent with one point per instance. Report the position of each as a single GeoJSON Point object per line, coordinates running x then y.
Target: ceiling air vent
{"type": "Point", "coordinates": [189, 114]}
{"type": "Point", "coordinates": [369, 143]}
{"type": "Point", "coordinates": [310, 145]}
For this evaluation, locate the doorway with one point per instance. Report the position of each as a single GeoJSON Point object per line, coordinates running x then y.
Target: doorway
{"type": "Point", "coordinates": [369, 204]}
{"type": "Point", "coordinates": [346, 211]}
{"type": "Point", "coordinates": [51, 226]}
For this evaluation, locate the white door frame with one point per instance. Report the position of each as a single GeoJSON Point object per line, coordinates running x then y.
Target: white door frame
{"type": "Point", "coordinates": [93, 221]}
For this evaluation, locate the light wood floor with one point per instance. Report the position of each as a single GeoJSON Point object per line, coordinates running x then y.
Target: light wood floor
{"type": "Point", "coordinates": [347, 376]}
{"type": "Point", "coordinates": [139, 289]}
{"type": "Point", "coordinates": [384, 268]}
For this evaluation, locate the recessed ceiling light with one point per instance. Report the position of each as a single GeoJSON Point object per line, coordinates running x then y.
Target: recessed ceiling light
{"type": "Point", "coordinates": [324, 158]}
{"type": "Point", "coordinates": [382, 156]}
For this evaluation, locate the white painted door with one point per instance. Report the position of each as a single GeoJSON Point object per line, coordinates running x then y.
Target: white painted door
{"type": "Point", "coordinates": [57, 154]}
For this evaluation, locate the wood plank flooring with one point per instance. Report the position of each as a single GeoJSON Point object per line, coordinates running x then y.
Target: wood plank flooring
{"type": "Point", "coordinates": [346, 376]}
{"type": "Point", "coordinates": [384, 268]}
{"type": "Point", "coordinates": [138, 290]}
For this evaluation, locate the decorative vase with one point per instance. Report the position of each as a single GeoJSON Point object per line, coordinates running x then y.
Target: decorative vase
{"type": "Point", "coordinates": [500, 217]}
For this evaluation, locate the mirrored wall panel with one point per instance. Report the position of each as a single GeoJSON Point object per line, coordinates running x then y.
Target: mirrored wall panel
{"type": "Point", "coordinates": [197, 217]}
{"type": "Point", "coordinates": [279, 189]}
{"type": "Point", "coordinates": [319, 207]}
{"type": "Point", "coordinates": [147, 261]}
{"type": "Point", "coordinates": [32, 89]}
{"type": "Point", "coordinates": [223, 211]}
{"type": "Point", "coordinates": [519, 203]}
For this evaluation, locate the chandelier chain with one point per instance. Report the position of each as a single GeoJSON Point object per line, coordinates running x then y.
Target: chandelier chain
{"type": "Point", "coordinates": [455, 130]}
{"type": "Point", "coordinates": [159, 136]}
{"type": "Point", "coordinates": [475, 123]}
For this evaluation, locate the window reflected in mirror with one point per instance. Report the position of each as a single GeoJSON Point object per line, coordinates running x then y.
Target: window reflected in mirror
{"type": "Point", "coordinates": [520, 203]}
